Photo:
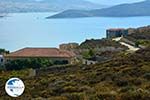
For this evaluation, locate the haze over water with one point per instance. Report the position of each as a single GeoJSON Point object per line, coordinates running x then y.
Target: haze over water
{"type": "Point", "coordinates": [20, 30]}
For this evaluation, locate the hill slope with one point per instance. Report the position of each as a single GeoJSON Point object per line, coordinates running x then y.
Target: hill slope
{"type": "Point", "coordinates": [123, 10]}
{"type": "Point", "coordinates": [124, 78]}
{"type": "Point", "coordinates": [44, 5]}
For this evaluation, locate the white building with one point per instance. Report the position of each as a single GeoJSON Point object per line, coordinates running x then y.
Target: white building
{"type": "Point", "coordinates": [88, 62]}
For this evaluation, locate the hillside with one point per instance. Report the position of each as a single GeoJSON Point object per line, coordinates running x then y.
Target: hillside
{"type": "Point", "coordinates": [99, 43]}
{"type": "Point", "coordinates": [123, 78]}
{"type": "Point", "coordinates": [7, 6]}
{"type": "Point", "coordinates": [123, 10]}
{"type": "Point", "coordinates": [126, 76]}
{"type": "Point", "coordinates": [140, 35]}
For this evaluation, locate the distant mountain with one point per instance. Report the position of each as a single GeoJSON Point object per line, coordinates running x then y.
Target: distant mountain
{"type": "Point", "coordinates": [7, 6]}
{"type": "Point", "coordinates": [123, 10]}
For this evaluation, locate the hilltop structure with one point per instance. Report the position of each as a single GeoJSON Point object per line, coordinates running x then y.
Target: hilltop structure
{"type": "Point", "coordinates": [116, 32]}
{"type": "Point", "coordinates": [68, 46]}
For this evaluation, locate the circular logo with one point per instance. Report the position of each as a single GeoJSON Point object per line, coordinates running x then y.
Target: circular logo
{"type": "Point", "coordinates": [14, 87]}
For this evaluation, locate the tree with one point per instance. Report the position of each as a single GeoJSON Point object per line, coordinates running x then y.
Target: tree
{"type": "Point", "coordinates": [3, 51]}
{"type": "Point", "coordinates": [91, 53]}
{"type": "Point", "coordinates": [88, 54]}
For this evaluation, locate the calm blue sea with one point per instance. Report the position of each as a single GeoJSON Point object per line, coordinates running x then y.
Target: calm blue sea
{"type": "Point", "coordinates": [19, 30]}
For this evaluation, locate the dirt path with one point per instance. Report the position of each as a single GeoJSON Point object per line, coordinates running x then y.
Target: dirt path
{"type": "Point", "coordinates": [131, 48]}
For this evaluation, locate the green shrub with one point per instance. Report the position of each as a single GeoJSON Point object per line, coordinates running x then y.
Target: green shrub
{"type": "Point", "coordinates": [2, 68]}
{"type": "Point", "coordinates": [106, 96]}
{"type": "Point", "coordinates": [61, 62]}
{"type": "Point", "coordinates": [121, 82]}
{"type": "Point", "coordinates": [135, 95]}
{"type": "Point", "coordinates": [28, 63]}
{"type": "Point", "coordinates": [75, 96]}
{"type": "Point", "coordinates": [70, 89]}
{"type": "Point", "coordinates": [126, 89]}
{"type": "Point", "coordinates": [137, 82]}
{"type": "Point", "coordinates": [3, 51]}
{"type": "Point", "coordinates": [131, 96]}
{"type": "Point", "coordinates": [147, 76]}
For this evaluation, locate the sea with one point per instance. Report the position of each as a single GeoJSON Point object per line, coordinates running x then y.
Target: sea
{"type": "Point", "coordinates": [20, 30]}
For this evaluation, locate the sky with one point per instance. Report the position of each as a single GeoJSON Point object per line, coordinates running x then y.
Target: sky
{"type": "Point", "coordinates": [114, 2]}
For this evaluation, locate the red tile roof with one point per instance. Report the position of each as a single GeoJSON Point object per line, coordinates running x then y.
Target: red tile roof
{"type": "Point", "coordinates": [41, 52]}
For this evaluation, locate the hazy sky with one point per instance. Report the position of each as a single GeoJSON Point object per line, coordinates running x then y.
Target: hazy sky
{"type": "Point", "coordinates": [113, 2]}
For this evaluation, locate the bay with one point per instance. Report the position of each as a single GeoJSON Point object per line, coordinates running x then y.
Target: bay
{"type": "Point", "coordinates": [19, 30]}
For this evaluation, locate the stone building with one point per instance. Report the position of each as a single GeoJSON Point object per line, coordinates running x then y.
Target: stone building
{"type": "Point", "coordinates": [69, 46]}
{"type": "Point", "coordinates": [118, 32]}
{"type": "Point", "coordinates": [131, 30]}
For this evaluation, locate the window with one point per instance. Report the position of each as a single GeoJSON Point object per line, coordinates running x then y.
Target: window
{"type": "Point", "coordinates": [2, 60]}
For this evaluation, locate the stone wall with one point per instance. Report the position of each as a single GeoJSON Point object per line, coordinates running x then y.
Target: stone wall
{"type": "Point", "coordinates": [68, 46]}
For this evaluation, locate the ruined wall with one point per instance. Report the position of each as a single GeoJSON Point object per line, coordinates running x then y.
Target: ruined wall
{"type": "Point", "coordinates": [68, 46]}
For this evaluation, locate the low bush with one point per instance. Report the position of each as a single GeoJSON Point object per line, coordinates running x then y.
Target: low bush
{"type": "Point", "coordinates": [126, 89]}
{"type": "Point", "coordinates": [106, 96]}
{"type": "Point", "coordinates": [121, 82]}
{"type": "Point", "coordinates": [70, 89]}
{"type": "Point", "coordinates": [147, 76]}
{"type": "Point", "coordinates": [136, 82]}
{"type": "Point", "coordinates": [74, 96]}
{"type": "Point", "coordinates": [2, 68]}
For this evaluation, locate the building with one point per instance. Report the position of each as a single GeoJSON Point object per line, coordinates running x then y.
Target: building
{"type": "Point", "coordinates": [88, 62]}
{"type": "Point", "coordinates": [118, 32]}
{"type": "Point", "coordinates": [69, 46]}
{"type": "Point", "coordinates": [131, 30]}
{"type": "Point", "coordinates": [1, 59]}
{"type": "Point", "coordinates": [53, 54]}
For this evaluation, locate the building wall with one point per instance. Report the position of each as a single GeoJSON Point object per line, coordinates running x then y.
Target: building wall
{"type": "Point", "coordinates": [116, 33]}
{"type": "Point", "coordinates": [1, 59]}
{"type": "Point", "coordinates": [88, 62]}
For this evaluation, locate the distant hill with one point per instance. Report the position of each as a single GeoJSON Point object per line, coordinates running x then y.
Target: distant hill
{"type": "Point", "coordinates": [7, 6]}
{"type": "Point", "coordinates": [123, 10]}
